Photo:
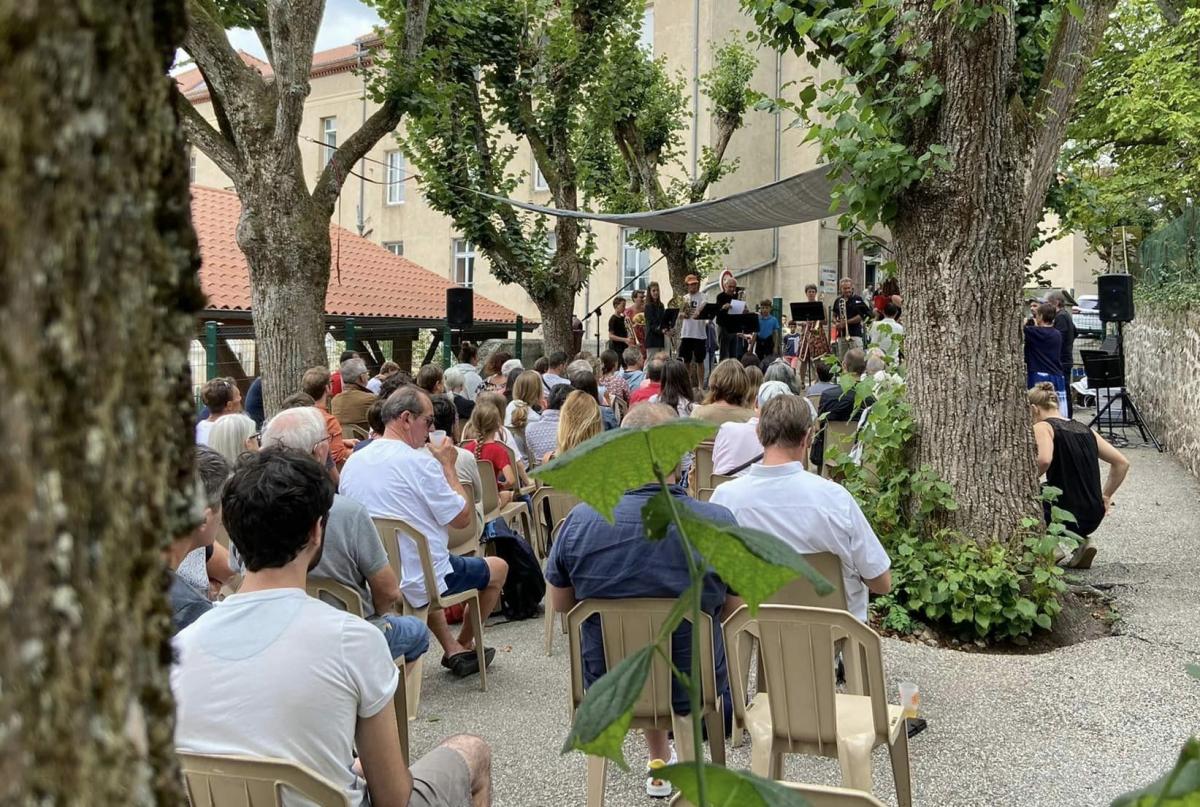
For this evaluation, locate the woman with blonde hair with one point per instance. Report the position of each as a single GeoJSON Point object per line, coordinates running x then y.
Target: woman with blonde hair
{"type": "Point", "coordinates": [578, 421]}
{"type": "Point", "coordinates": [1068, 453]}
{"type": "Point", "coordinates": [232, 436]}
{"type": "Point", "coordinates": [728, 391]}
{"type": "Point", "coordinates": [524, 408]}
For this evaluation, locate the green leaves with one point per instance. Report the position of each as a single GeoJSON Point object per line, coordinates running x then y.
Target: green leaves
{"type": "Point", "coordinates": [1178, 788]}
{"type": "Point", "coordinates": [727, 787]}
{"type": "Point", "coordinates": [603, 717]}
{"type": "Point", "coordinates": [602, 469]}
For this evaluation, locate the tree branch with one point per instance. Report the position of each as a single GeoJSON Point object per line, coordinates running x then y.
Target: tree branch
{"type": "Point", "coordinates": [1046, 127]}
{"type": "Point", "coordinates": [1170, 12]}
{"type": "Point", "coordinates": [200, 133]}
{"type": "Point", "coordinates": [230, 81]}
{"type": "Point", "coordinates": [292, 28]}
{"type": "Point", "coordinates": [699, 186]}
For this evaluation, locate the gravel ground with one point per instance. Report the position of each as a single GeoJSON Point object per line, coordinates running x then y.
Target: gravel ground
{"type": "Point", "coordinates": [1077, 726]}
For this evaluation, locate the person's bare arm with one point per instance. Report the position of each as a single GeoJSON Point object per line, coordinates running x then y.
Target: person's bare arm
{"type": "Point", "coordinates": [218, 565]}
{"type": "Point", "coordinates": [1118, 467]}
{"type": "Point", "coordinates": [1043, 435]}
{"type": "Point", "coordinates": [378, 741]}
{"type": "Point", "coordinates": [385, 589]}
{"type": "Point", "coordinates": [446, 454]}
{"type": "Point", "coordinates": [563, 599]}
{"type": "Point", "coordinates": [881, 584]}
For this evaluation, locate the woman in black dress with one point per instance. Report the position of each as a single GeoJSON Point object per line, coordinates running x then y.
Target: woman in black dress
{"type": "Point", "coordinates": [1068, 453]}
{"type": "Point", "coordinates": [656, 340]}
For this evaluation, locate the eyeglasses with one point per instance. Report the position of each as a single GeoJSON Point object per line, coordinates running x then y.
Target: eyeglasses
{"type": "Point", "coordinates": [257, 438]}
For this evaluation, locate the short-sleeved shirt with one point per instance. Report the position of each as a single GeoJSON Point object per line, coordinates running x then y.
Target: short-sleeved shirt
{"type": "Point", "coordinates": [467, 470]}
{"type": "Point", "coordinates": [616, 561]}
{"type": "Point", "coordinates": [645, 392]}
{"type": "Point", "coordinates": [768, 326]}
{"type": "Point", "coordinates": [282, 675]}
{"type": "Point", "coordinates": [633, 378]}
{"type": "Point", "coordinates": [736, 444]}
{"type": "Point", "coordinates": [811, 515]}
{"type": "Point", "coordinates": [394, 480]}
{"type": "Point", "coordinates": [887, 335]}
{"type": "Point", "coordinates": [693, 328]}
{"type": "Point", "coordinates": [187, 604]}
{"type": "Point", "coordinates": [618, 326]}
{"type": "Point", "coordinates": [849, 308]}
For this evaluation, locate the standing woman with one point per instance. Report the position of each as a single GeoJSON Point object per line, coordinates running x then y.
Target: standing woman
{"type": "Point", "coordinates": [814, 339]}
{"type": "Point", "coordinates": [1068, 453]}
{"type": "Point", "coordinates": [635, 312]}
{"type": "Point", "coordinates": [656, 340]}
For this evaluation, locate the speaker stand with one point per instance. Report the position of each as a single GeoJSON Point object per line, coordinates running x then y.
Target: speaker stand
{"type": "Point", "coordinates": [1128, 408]}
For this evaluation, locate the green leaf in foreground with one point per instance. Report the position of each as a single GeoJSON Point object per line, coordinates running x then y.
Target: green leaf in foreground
{"type": "Point", "coordinates": [727, 787]}
{"type": "Point", "coordinates": [754, 564]}
{"type": "Point", "coordinates": [1193, 670]}
{"type": "Point", "coordinates": [1180, 787]}
{"type": "Point", "coordinates": [602, 719]}
{"type": "Point", "coordinates": [602, 469]}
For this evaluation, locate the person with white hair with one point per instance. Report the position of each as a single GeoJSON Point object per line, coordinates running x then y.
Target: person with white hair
{"type": "Point", "coordinates": [455, 381]}
{"type": "Point", "coordinates": [353, 554]}
{"type": "Point", "coordinates": [736, 447]}
{"type": "Point", "coordinates": [351, 404]}
{"type": "Point", "coordinates": [232, 436]}
{"type": "Point", "coordinates": [510, 365]}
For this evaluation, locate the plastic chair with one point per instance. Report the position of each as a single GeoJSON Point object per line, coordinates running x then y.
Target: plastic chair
{"type": "Point", "coordinates": [390, 532]}
{"type": "Point", "coordinates": [465, 541]}
{"type": "Point", "coordinates": [628, 626]}
{"type": "Point", "coordinates": [523, 490]}
{"type": "Point", "coordinates": [816, 796]}
{"type": "Point", "coordinates": [491, 501]}
{"type": "Point", "coordinates": [714, 482]}
{"type": "Point", "coordinates": [802, 713]}
{"type": "Point", "coordinates": [237, 781]}
{"type": "Point", "coordinates": [702, 468]}
{"type": "Point", "coordinates": [331, 592]}
{"type": "Point", "coordinates": [553, 505]}
{"type": "Point", "coordinates": [840, 435]}
{"type": "Point", "coordinates": [620, 408]}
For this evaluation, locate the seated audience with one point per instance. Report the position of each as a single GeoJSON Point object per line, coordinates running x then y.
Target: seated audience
{"type": "Point", "coordinates": [751, 360]}
{"type": "Point", "coordinates": [579, 421]}
{"type": "Point", "coordinates": [1069, 454]}
{"type": "Point", "coordinates": [316, 385]}
{"type": "Point", "coordinates": [756, 378]}
{"type": "Point", "coordinates": [593, 559]}
{"type": "Point", "coordinates": [336, 379]}
{"type": "Point", "coordinates": [455, 383]}
{"type": "Point", "coordinates": [445, 418]}
{"type": "Point", "coordinates": [494, 377]}
{"type": "Point", "coordinates": [395, 480]}
{"type": "Point", "coordinates": [221, 397]}
{"type": "Point", "coordinates": [351, 551]}
{"type": "Point", "coordinates": [542, 365]}
{"type": "Point", "coordinates": [633, 361]}
{"type": "Point", "coordinates": [808, 513]}
{"type": "Point", "coordinates": [780, 370]}
{"type": "Point", "coordinates": [187, 601]}
{"type": "Point", "coordinates": [297, 399]}
{"type": "Point", "coordinates": [468, 356]}
{"type": "Point", "coordinates": [429, 378]}
{"type": "Point", "coordinates": [511, 381]}
{"type": "Point", "coordinates": [556, 373]}
{"type": "Point", "coordinates": [386, 371]}
{"type": "Point", "coordinates": [395, 382]}
{"type": "Point", "coordinates": [652, 383]}
{"type": "Point", "coordinates": [351, 404]}
{"type": "Point", "coordinates": [611, 378]}
{"type": "Point", "coordinates": [253, 404]}
{"type": "Point", "coordinates": [825, 379]}
{"type": "Point", "coordinates": [256, 676]}
{"type": "Point", "coordinates": [676, 392]}
{"type": "Point", "coordinates": [486, 445]}
{"type": "Point", "coordinates": [232, 436]}
{"type": "Point", "coordinates": [523, 410]}
{"type": "Point", "coordinates": [541, 437]}
{"type": "Point", "coordinates": [728, 387]}
{"type": "Point", "coordinates": [585, 381]}
{"type": "Point", "coordinates": [736, 445]}
{"type": "Point", "coordinates": [500, 404]}
{"type": "Point", "coordinates": [839, 406]}
{"type": "Point", "coordinates": [375, 418]}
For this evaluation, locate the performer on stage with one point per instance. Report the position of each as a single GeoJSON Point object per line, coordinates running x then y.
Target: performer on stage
{"type": "Point", "coordinates": [814, 339]}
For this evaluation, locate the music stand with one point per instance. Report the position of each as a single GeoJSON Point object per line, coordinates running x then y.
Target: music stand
{"type": "Point", "coordinates": [745, 323]}
{"type": "Point", "coordinates": [808, 312]}
{"type": "Point", "coordinates": [709, 311]}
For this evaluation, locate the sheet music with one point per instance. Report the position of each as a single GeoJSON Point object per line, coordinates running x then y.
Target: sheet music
{"type": "Point", "coordinates": [737, 306]}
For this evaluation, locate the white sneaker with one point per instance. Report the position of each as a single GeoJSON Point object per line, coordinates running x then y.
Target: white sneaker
{"type": "Point", "coordinates": [658, 788]}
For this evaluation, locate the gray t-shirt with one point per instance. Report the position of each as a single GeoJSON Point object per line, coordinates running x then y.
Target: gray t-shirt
{"type": "Point", "coordinates": [352, 551]}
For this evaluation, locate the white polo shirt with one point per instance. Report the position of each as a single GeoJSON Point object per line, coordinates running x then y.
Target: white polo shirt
{"type": "Point", "coordinates": [393, 480]}
{"type": "Point", "coordinates": [811, 515]}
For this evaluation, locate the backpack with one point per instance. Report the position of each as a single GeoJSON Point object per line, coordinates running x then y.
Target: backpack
{"type": "Point", "coordinates": [525, 587]}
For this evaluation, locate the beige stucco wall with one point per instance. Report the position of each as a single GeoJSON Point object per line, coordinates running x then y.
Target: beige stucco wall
{"type": "Point", "coordinates": [1163, 367]}
{"type": "Point", "coordinates": [1074, 264]}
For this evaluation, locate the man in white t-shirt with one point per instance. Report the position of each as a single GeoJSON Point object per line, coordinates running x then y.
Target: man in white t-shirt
{"type": "Point", "coordinates": [271, 672]}
{"type": "Point", "coordinates": [807, 512]}
{"type": "Point", "coordinates": [693, 336]}
{"type": "Point", "coordinates": [394, 479]}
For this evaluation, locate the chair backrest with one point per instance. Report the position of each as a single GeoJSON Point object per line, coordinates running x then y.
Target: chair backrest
{"type": "Point", "coordinates": [391, 530]}
{"type": "Point", "coordinates": [802, 592]}
{"type": "Point", "coordinates": [702, 466]}
{"type": "Point", "coordinates": [339, 595]}
{"type": "Point", "coordinates": [356, 431]}
{"type": "Point", "coordinates": [839, 434]}
{"type": "Point", "coordinates": [491, 490]}
{"type": "Point", "coordinates": [466, 539]}
{"type": "Point", "coordinates": [627, 626]}
{"type": "Point", "coordinates": [619, 407]}
{"type": "Point", "coordinates": [822, 796]}
{"type": "Point", "coordinates": [815, 401]}
{"type": "Point", "coordinates": [795, 645]}
{"type": "Point", "coordinates": [550, 507]}
{"type": "Point", "coordinates": [233, 781]}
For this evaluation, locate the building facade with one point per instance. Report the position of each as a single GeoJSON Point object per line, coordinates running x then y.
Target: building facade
{"type": "Point", "coordinates": [385, 205]}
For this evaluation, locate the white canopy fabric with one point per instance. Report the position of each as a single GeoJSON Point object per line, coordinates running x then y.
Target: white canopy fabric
{"type": "Point", "coordinates": [796, 199]}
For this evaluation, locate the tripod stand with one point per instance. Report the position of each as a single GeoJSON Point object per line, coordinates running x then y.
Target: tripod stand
{"type": "Point", "coordinates": [1106, 371]}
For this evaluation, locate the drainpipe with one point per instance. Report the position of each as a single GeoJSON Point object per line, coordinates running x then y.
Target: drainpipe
{"type": "Point", "coordinates": [362, 163]}
{"type": "Point", "coordinates": [695, 88]}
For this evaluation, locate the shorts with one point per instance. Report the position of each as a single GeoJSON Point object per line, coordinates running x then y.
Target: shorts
{"type": "Point", "coordinates": [693, 350]}
{"type": "Point", "coordinates": [441, 778]}
{"type": "Point", "coordinates": [406, 636]}
{"type": "Point", "coordinates": [466, 574]}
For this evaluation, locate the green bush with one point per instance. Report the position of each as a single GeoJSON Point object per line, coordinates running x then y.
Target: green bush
{"type": "Point", "coordinates": [939, 577]}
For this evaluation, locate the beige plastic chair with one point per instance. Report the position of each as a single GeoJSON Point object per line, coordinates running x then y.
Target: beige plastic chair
{"type": "Point", "coordinates": [550, 507]}
{"type": "Point", "coordinates": [524, 490]}
{"type": "Point", "coordinates": [331, 592]}
{"type": "Point", "coordinates": [465, 541]}
{"type": "Point", "coordinates": [839, 434]}
{"type": "Point", "coordinates": [702, 469]}
{"type": "Point", "coordinates": [628, 626]}
{"type": "Point", "coordinates": [390, 531]}
{"type": "Point", "coordinates": [816, 796]}
{"type": "Point", "coordinates": [714, 481]}
{"type": "Point", "coordinates": [235, 781]}
{"type": "Point", "coordinates": [802, 713]}
{"type": "Point", "coordinates": [620, 408]}
{"type": "Point", "coordinates": [491, 501]}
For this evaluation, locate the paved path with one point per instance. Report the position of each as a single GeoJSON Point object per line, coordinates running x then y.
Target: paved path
{"type": "Point", "coordinates": [1073, 727]}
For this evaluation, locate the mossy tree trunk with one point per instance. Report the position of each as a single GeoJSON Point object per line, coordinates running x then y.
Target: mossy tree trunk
{"type": "Point", "coordinates": [98, 293]}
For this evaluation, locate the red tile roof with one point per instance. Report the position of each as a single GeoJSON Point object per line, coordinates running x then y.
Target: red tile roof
{"type": "Point", "coordinates": [374, 282]}
{"type": "Point", "coordinates": [324, 63]}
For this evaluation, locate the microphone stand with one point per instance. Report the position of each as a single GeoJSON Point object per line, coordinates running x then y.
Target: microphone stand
{"type": "Point", "coordinates": [600, 308]}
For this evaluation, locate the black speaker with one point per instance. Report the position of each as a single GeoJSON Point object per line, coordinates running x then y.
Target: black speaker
{"type": "Point", "coordinates": [460, 307]}
{"type": "Point", "coordinates": [1116, 298]}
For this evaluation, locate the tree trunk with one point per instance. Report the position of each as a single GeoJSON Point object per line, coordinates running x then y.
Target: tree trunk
{"type": "Point", "coordinates": [673, 246]}
{"type": "Point", "coordinates": [961, 258]}
{"type": "Point", "coordinates": [556, 311]}
{"type": "Point", "coordinates": [98, 294]}
{"type": "Point", "coordinates": [285, 238]}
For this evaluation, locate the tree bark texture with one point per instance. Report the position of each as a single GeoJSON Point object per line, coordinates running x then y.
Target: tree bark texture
{"type": "Point", "coordinates": [961, 257]}
{"type": "Point", "coordinates": [98, 293]}
{"type": "Point", "coordinates": [556, 311]}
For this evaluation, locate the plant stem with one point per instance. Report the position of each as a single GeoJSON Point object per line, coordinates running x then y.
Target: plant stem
{"type": "Point", "coordinates": [695, 685]}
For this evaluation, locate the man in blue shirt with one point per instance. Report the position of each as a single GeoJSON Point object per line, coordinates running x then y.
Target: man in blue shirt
{"type": "Point", "coordinates": [592, 559]}
{"type": "Point", "coordinates": [768, 327]}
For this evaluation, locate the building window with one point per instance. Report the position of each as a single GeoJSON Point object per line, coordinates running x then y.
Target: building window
{"type": "Point", "coordinates": [328, 139]}
{"type": "Point", "coordinates": [464, 262]}
{"type": "Point", "coordinates": [395, 177]}
{"type": "Point", "coordinates": [394, 247]}
{"type": "Point", "coordinates": [646, 36]}
{"type": "Point", "coordinates": [539, 179]}
{"type": "Point", "coordinates": [634, 262]}
{"type": "Point", "coordinates": [191, 166]}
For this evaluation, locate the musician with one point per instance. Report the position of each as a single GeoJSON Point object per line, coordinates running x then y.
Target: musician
{"type": "Point", "coordinates": [814, 339]}
{"type": "Point", "coordinates": [693, 333]}
{"type": "Point", "coordinates": [849, 312]}
{"type": "Point", "coordinates": [728, 337]}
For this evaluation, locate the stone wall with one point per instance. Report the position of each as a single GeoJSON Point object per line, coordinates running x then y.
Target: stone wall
{"type": "Point", "coordinates": [1163, 368]}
